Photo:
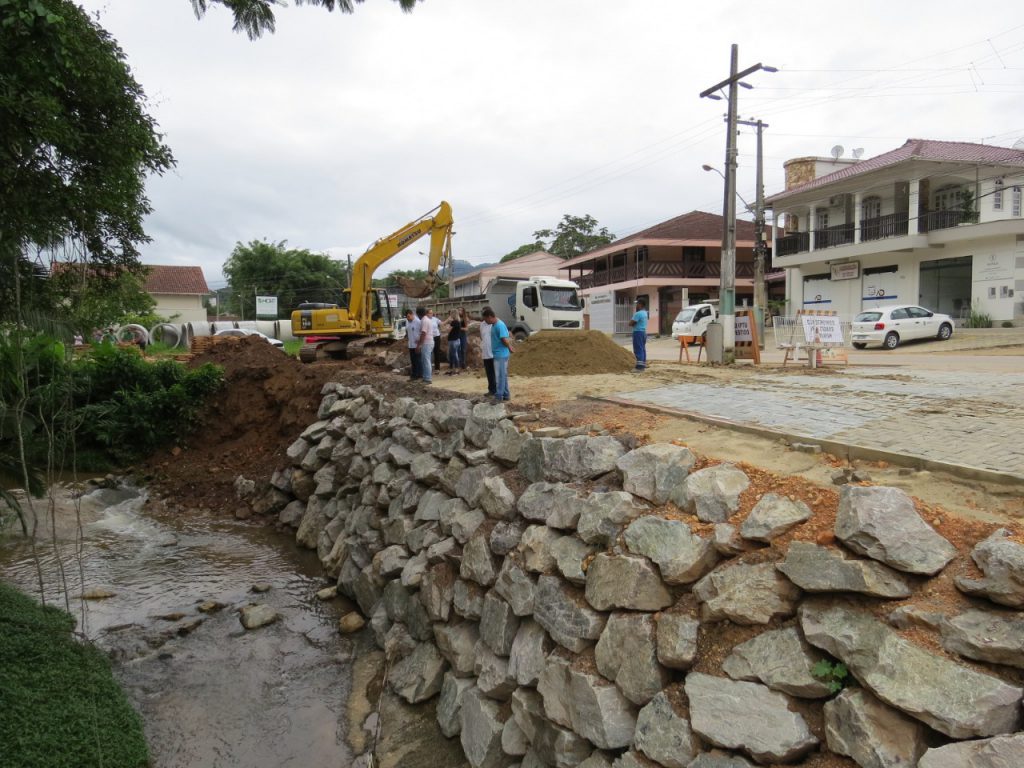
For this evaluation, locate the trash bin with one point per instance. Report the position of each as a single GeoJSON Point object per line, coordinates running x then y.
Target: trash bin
{"type": "Point", "coordinates": [715, 343]}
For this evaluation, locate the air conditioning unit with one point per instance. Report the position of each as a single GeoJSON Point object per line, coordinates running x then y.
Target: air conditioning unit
{"type": "Point", "coordinates": [835, 200]}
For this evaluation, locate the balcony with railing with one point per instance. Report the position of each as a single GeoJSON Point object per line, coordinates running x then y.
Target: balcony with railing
{"type": "Point", "coordinates": [670, 269]}
{"type": "Point", "coordinates": [881, 227]}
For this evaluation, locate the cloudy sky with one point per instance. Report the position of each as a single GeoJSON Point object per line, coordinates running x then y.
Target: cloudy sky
{"type": "Point", "coordinates": [338, 129]}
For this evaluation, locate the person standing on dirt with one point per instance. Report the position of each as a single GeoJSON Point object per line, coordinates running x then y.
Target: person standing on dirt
{"type": "Point", "coordinates": [487, 354]}
{"type": "Point", "coordinates": [463, 339]}
{"type": "Point", "coordinates": [639, 325]}
{"type": "Point", "coordinates": [501, 348]}
{"type": "Point", "coordinates": [435, 327]}
{"type": "Point", "coordinates": [454, 345]}
{"type": "Point", "coordinates": [412, 338]}
{"type": "Point", "coordinates": [426, 345]}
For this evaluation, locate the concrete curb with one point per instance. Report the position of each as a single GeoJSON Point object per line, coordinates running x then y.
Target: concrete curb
{"type": "Point", "coordinates": [843, 450]}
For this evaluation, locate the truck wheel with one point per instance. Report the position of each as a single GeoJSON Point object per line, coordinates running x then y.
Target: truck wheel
{"type": "Point", "coordinates": [520, 335]}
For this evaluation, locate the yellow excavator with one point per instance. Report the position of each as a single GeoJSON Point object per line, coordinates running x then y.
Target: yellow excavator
{"type": "Point", "coordinates": [364, 314]}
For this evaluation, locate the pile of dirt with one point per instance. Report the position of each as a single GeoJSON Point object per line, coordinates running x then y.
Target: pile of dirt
{"type": "Point", "coordinates": [267, 400]}
{"type": "Point", "coordinates": [569, 353]}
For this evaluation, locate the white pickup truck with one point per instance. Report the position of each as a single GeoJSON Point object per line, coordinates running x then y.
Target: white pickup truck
{"type": "Point", "coordinates": [694, 320]}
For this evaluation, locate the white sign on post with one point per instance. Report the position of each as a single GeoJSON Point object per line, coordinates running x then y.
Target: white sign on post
{"type": "Point", "coordinates": [743, 332]}
{"type": "Point", "coordinates": [266, 306]}
{"type": "Point", "coordinates": [822, 329]}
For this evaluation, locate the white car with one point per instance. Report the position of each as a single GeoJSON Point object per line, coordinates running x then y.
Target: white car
{"type": "Point", "coordinates": [249, 332]}
{"type": "Point", "coordinates": [694, 320]}
{"type": "Point", "coordinates": [890, 326]}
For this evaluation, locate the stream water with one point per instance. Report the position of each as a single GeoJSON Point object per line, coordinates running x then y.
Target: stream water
{"type": "Point", "coordinates": [293, 693]}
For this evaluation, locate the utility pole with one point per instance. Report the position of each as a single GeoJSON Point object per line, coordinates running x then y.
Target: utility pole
{"type": "Point", "coordinates": [760, 246]}
{"type": "Point", "coordinates": [727, 284]}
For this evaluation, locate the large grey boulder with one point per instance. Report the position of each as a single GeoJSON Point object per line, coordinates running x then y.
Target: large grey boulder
{"type": "Point", "coordinates": [418, 676]}
{"type": "Point", "coordinates": [481, 723]}
{"type": "Point", "coordinates": [517, 586]}
{"type": "Point", "coordinates": [530, 648]}
{"type": "Point", "coordinates": [677, 639]}
{"type": "Point", "coordinates": [599, 712]}
{"type": "Point", "coordinates": [468, 599]}
{"type": "Point", "coordinates": [505, 537]}
{"type": "Point", "coordinates": [883, 524]}
{"type": "Point", "coordinates": [457, 643]}
{"type": "Point", "coordinates": [782, 660]}
{"type": "Point", "coordinates": [602, 516]}
{"type": "Point", "coordinates": [682, 556]}
{"type": "Point", "coordinates": [999, 752]}
{"type": "Point", "coordinates": [1001, 560]}
{"type": "Point", "coordinates": [876, 736]}
{"type": "Point", "coordinates": [513, 740]}
{"type": "Point", "coordinates": [492, 675]}
{"type": "Point", "coordinates": [713, 493]}
{"type": "Point", "coordinates": [747, 716]}
{"type": "Point", "coordinates": [506, 443]}
{"type": "Point", "coordinates": [478, 562]}
{"type": "Point", "coordinates": [470, 485]}
{"type": "Point", "coordinates": [570, 553]}
{"type": "Point", "coordinates": [953, 699]}
{"type": "Point", "coordinates": [772, 516]}
{"type": "Point", "coordinates": [627, 655]}
{"type": "Point", "coordinates": [552, 744]}
{"type": "Point", "coordinates": [496, 500]}
{"type": "Point", "coordinates": [663, 733]}
{"type": "Point", "coordinates": [826, 569]}
{"type": "Point", "coordinates": [625, 581]}
{"type": "Point", "coordinates": [498, 624]}
{"type": "Point", "coordinates": [996, 637]}
{"type": "Point", "coordinates": [574, 458]}
{"type": "Point", "coordinates": [535, 548]}
{"type": "Point", "coordinates": [553, 688]}
{"type": "Point", "coordinates": [437, 591]}
{"type": "Point", "coordinates": [746, 594]}
{"type": "Point", "coordinates": [554, 504]}
{"type": "Point", "coordinates": [449, 704]}
{"type": "Point", "coordinates": [563, 611]}
{"type": "Point", "coordinates": [656, 472]}
{"type": "Point", "coordinates": [313, 523]}
{"type": "Point", "coordinates": [716, 758]}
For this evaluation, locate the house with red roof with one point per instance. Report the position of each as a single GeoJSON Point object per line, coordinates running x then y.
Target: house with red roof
{"type": "Point", "coordinates": [934, 223]}
{"type": "Point", "coordinates": [178, 292]}
{"type": "Point", "coordinates": [671, 265]}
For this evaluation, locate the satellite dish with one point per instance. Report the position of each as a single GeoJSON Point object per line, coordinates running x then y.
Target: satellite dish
{"type": "Point", "coordinates": [1018, 144]}
{"type": "Point", "coordinates": [858, 153]}
{"type": "Point", "coordinates": [837, 151]}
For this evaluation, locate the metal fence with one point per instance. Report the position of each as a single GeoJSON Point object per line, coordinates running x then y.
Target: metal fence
{"type": "Point", "coordinates": [791, 335]}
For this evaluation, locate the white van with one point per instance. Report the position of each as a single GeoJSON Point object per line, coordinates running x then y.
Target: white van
{"type": "Point", "coordinates": [694, 320]}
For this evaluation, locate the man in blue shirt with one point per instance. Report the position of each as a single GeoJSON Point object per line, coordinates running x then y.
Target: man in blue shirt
{"type": "Point", "coordinates": [501, 348]}
{"type": "Point", "coordinates": [639, 325]}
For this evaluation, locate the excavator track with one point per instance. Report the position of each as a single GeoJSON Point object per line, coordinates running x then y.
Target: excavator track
{"type": "Point", "coordinates": [341, 349]}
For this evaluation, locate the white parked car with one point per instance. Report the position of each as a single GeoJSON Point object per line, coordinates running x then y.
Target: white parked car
{"type": "Point", "coordinates": [694, 320]}
{"type": "Point", "coordinates": [249, 332]}
{"type": "Point", "coordinates": [891, 326]}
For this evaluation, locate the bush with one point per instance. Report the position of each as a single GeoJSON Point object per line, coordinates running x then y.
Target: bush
{"type": "Point", "coordinates": [1007, 323]}
{"type": "Point", "coordinates": [62, 706]}
{"type": "Point", "coordinates": [978, 319]}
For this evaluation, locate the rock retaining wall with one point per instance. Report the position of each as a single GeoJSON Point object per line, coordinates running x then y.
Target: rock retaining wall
{"type": "Point", "coordinates": [551, 592]}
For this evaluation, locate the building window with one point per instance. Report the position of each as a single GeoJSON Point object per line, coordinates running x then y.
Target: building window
{"type": "Point", "coordinates": [948, 198]}
{"type": "Point", "coordinates": [1016, 201]}
{"type": "Point", "coordinates": [997, 196]}
{"type": "Point", "coordinates": [871, 208]}
{"type": "Point", "coordinates": [694, 253]}
{"type": "Point", "coordinates": [823, 220]}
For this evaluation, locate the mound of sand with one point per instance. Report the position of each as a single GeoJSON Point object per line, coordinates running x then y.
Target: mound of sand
{"type": "Point", "coordinates": [569, 353]}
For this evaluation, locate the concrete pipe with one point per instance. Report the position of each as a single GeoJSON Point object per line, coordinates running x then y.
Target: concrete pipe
{"type": "Point", "coordinates": [132, 333]}
{"type": "Point", "coordinates": [170, 334]}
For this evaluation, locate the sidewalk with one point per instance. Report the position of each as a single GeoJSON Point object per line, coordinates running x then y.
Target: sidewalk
{"type": "Point", "coordinates": [951, 419]}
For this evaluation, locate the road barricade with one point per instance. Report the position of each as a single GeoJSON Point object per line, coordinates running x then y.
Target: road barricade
{"type": "Point", "coordinates": [820, 336]}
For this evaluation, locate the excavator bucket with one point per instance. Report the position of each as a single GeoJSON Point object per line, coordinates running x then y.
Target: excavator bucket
{"type": "Point", "coordinates": [417, 289]}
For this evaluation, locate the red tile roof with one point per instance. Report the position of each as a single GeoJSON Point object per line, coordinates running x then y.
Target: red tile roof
{"type": "Point", "coordinates": [916, 149]}
{"type": "Point", "coordinates": [693, 226]}
{"type": "Point", "coordinates": [163, 278]}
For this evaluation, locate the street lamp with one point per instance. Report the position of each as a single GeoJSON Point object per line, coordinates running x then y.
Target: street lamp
{"type": "Point", "coordinates": [748, 206]}
{"type": "Point", "coordinates": [727, 286]}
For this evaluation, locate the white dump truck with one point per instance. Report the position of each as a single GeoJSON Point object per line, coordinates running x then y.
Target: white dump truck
{"type": "Point", "coordinates": [527, 305]}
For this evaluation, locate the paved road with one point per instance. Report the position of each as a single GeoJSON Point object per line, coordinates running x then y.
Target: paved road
{"type": "Point", "coordinates": [962, 419]}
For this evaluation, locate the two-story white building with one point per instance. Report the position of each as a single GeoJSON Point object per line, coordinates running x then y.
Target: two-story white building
{"type": "Point", "coordinates": [935, 223]}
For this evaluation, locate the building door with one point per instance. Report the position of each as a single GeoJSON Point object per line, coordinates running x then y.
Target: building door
{"type": "Point", "coordinates": [946, 286]}
{"type": "Point", "coordinates": [880, 287]}
{"type": "Point", "coordinates": [818, 292]}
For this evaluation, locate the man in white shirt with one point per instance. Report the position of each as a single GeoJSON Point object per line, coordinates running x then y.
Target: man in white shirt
{"type": "Point", "coordinates": [426, 345]}
{"type": "Point", "coordinates": [435, 324]}
{"type": "Point", "coordinates": [412, 337]}
{"type": "Point", "coordinates": [488, 356]}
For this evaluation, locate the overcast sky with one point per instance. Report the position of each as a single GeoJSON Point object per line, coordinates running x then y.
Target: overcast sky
{"type": "Point", "coordinates": [338, 129]}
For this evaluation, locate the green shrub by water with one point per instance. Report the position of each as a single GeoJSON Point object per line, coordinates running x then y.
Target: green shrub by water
{"type": "Point", "coordinates": [60, 705]}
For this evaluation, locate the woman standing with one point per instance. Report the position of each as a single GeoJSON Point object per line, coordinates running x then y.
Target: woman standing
{"type": "Point", "coordinates": [463, 341]}
{"type": "Point", "coordinates": [454, 345]}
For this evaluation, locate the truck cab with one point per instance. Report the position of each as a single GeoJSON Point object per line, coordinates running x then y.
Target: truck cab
{"type": "Point", "coordinates": [694, 320]}
{"type": "Point", "coordinates": [538, 304]}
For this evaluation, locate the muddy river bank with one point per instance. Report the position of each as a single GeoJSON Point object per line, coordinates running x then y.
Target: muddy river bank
{"type": "Point", "coordinates": [293, 693]}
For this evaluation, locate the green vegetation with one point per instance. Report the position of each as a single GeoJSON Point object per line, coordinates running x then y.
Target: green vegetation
{"type": "Point", "coordinates": [574, 235]}
{"type": "Point", "coordinates": [292, 347]}
{"type": "Point", "coordinates": [254, 17]}
{"type": "Point", "coordinates": [834, 675]}
{"type": "Point", "coordinates": [978, 319]}
{"type": "Point", "coordinates": [294, 275]}
{"type": "Point", "coordinates": [61, 704]}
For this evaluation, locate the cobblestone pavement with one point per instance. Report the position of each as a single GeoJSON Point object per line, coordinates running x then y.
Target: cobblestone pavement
{"type": "Point", "coordinates": [958, 418]}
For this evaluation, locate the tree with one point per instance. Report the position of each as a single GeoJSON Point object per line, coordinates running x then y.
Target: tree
{"type": "Point", "coordinates": [91, 298]}
{"type": "Point", "coordinates": [77, 143]}
{"type": "Point", "coordinates": [523, 250]}
{"type": "Point", "coordinates": [273, 269]}
{"type": "Point", "coordinates": [574, 235]}
{"type": "Point", "coordinates": [254, 17]}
